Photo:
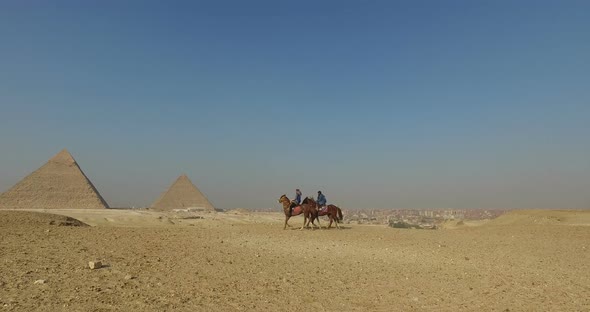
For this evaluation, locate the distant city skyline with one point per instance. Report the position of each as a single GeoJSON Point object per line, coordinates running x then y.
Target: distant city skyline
{"type": "Point", "coordinates": [404, 105]}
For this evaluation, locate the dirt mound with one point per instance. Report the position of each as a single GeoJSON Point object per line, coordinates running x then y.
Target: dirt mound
{"type": "Point", "coordinates": [29, 218]}
{"type": "Point", "coordinates": [544, 217]}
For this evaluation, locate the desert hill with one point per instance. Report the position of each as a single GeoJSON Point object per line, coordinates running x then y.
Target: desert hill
{"type": "Point", "coordinates": [543, 217]}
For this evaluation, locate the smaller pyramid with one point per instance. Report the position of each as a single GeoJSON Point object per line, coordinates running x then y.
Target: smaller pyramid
{"type": "Point", "coordinates": [182, 194]}
{"type": "Point", "coordinates": [58, 184]}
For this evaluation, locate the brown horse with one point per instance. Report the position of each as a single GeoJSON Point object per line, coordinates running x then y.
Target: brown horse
{"type": "Point", "coordinates": [315, 212]}
{"type": "Point", "coordinates": [332, 211]}
{"type": "Point", "coordinates": [308, 211]}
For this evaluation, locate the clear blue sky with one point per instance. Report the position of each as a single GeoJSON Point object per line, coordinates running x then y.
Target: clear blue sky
{"type": "Point", "coordinates": [380, 104]}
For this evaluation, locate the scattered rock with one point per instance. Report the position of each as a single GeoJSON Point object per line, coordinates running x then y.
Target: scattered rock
{"type": "Point", "coordinates": [466, 258]}
{"type": "Point", "coordinates": [67, 221]}
{"type": "Point", "coordinates": [129, 277]}
{"type": "Point", "coordinates": [95, 265]}
{"type": "Point", "coordinates": [39, 282]}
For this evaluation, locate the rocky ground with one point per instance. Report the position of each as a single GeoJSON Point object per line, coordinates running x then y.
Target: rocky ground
{"type": "Point", "coordinates": [240, 261]}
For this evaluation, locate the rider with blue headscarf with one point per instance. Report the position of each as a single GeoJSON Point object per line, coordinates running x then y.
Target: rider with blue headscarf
{"type": "Point", "coordinates": [321, 199]}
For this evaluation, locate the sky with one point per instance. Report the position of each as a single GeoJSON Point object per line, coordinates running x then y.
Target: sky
{"type": "Point", "coordinates": [379, 104]}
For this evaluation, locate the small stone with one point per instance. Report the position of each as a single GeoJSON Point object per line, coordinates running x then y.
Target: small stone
{"type": "Point", "coordinates": [129, 277]}
{"type": "Point", "coordinates": [39, 282]}
{"type": "Point", "coordinates": [95, 265]}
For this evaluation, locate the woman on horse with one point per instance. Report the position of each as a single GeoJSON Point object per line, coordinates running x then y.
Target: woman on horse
{"type": "Point", "coordinates": [321, 200]}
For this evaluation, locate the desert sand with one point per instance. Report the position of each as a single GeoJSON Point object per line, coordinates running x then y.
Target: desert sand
{"type": "Point", "coordinates": [239, 261]}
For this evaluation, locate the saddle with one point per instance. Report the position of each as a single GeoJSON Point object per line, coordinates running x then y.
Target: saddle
{"type": "Point", "coordinates": [297, 210]}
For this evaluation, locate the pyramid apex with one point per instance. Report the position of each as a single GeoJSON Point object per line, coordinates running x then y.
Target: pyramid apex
{"type": "Point", "coordinates": [63, 157]}
{"type": "Point", "coordinates": [183, 177]}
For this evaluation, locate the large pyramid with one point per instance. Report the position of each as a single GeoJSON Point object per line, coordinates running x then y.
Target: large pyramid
{"type": "Point", "coordinates": [182, 194]}
{"type": "Point", "coordinates": [60, 183]}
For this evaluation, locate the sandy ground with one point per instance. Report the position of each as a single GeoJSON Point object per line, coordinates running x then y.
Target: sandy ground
{"type": "Point", "coordinates": [526, 261]}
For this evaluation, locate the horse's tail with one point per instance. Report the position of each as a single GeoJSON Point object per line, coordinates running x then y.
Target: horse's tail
{"type": "Point", "coordinates": [339, 213]}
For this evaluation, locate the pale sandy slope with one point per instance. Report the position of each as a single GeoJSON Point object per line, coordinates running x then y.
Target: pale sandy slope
{"type": "Point", "coordinates": [241, 262]}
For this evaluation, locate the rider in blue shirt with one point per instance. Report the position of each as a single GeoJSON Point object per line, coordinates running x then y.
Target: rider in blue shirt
{"type": "Point", "coordinates": [321, 200]}
{"type": "Point", "coordinates": [295, 202]}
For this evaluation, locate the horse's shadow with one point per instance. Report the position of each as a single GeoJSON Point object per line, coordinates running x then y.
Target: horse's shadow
{"type": "Point", "coordinates": [323, 228]}
{"type": "Point", "coordinates": [345, 227]}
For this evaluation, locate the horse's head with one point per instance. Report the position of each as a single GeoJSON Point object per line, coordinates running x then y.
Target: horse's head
{"type": "Point", "coordinates": [282, 198]}
{"type": "Point", "coordinates": [309, 200]}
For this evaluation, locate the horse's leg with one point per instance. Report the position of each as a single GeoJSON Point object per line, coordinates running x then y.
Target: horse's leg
{"type": "Point", "coordinates": [304, 220]}
{"type": "Point", "coordinates": [334, 217]}
{"type": "Point", "coordinates": [286, 222]}
{"type": "Point", "coordinates": [312, 218]}
{"type": "Point", "coordinates": [318, 218]}
{"type": "Point", "coordinates": [311, 222]}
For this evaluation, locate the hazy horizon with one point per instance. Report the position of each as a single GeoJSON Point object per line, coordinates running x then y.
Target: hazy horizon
{"type": "Point", "coordinates": [380, 105]}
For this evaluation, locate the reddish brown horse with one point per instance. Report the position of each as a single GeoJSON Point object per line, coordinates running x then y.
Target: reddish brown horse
{"type": "Point", "coordinates": [332, 211]}
{"type": "Point", "coordinates": [308, 211]}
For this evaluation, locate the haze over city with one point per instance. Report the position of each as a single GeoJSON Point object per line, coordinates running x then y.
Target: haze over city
{"type": "Point", "coordinates": [458, 104]}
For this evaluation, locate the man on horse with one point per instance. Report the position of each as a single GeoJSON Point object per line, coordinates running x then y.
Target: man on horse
{"type": "Point", "coordinates": [297, 199]}
{"type": "Point", "coordinates": [321, 201]}
{"type": "Point", "coordinates": [295, 202]}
